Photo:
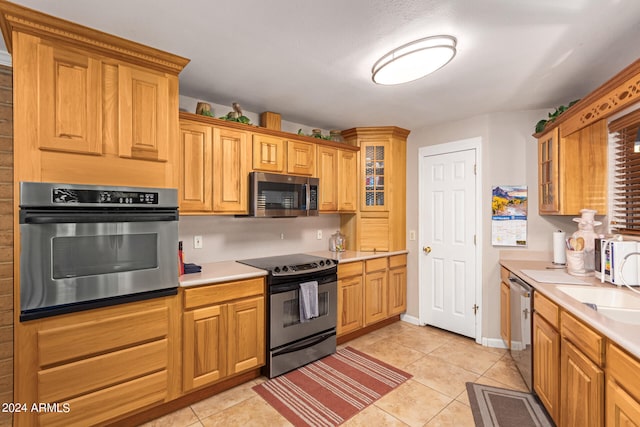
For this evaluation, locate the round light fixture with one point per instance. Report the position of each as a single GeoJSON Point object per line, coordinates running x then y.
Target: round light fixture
{"type": "Point", "coordinates": [414, 60]}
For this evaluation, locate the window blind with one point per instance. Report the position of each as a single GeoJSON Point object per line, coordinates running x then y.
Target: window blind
{"type": "Point", "coordinates": [626, 187]}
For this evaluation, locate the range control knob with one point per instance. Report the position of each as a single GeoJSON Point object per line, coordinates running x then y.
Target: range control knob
{"type": "Point", "coordinates": [321, 263]}
{"type": "Point", "coordinates": [285, 268]}
{"type": "Point", "coordinates": [276, 270]}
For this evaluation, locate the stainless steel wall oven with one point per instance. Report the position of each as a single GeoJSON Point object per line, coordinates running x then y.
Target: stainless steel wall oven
{"type": "Point", "coordinates": [291, 340]}
{"type": "Point", "coordinates": [84, 246]}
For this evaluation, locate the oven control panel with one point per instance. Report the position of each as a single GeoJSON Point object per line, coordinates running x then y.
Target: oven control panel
{"type": "Point", "coordinates": [289, 270]}
{"type": "Point", "coordinates": [69, 195]}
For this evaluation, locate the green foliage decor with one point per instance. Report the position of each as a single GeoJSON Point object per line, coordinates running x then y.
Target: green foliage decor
{"type": "Point", "coordinates": [552, 116]}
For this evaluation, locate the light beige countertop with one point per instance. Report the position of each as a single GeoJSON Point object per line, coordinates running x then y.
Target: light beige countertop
{"type": "Point", "coordinates": [218, 272]}
{"type": "Point", "coordinates": [226, 271]}
{"type": "Point", "coordinates": [352, 256]}
{"type": "Point", "coordinates": [626, 335]}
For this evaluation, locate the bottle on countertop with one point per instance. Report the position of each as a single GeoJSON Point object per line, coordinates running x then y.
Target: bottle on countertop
{"type": "Point", "coordinates": [337, 242]}
{"type": "Point", "coordinates": [180, 259]}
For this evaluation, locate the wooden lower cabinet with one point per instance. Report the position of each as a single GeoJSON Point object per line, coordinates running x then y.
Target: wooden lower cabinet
{"type": "Point", "coordinates": [582, 386]}
{"type": "Point", "coordinates": [224, 331]}
{"type": "Point", "coordinates": [397, 298]}
{"type": "Point", "coordinates": [375, 290]}
{"type": "Point", "coordinates": [371, 291]}
{"type": "Point", "coordinates": [505, 313]}
{"type": "Point", "coordinates": [622, 393]}
{"type": "Point", "coordinates": [546, 362]}
{"type": "Point", "coordinates": [204, 347]}
{"type": "Point", "coordinates": [350, 291]}
{"type": "Point", "coordinates": [99, 365]}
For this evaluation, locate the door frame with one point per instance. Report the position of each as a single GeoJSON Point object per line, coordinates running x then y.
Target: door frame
{"type": "Point", "coordinates": [445, 148]}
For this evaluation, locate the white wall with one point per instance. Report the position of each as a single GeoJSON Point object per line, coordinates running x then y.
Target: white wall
{"type": "Point", "coordinates": [230, 238]}
{"type": "Point", "coordinates": [189, 104]}
{"type": "Point", "coordinates": [509, 158]}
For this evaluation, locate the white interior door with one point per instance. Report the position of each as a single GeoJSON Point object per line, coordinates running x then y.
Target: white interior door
{"type": "Point", "coordinates": [448, 222]}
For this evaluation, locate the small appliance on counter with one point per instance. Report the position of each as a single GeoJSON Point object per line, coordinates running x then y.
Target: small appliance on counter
{"type": "Point", "coordinates": [617, 261]}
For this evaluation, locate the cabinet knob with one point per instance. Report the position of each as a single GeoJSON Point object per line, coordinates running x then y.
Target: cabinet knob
{"type": "Point", "coordinates": [426, 249]}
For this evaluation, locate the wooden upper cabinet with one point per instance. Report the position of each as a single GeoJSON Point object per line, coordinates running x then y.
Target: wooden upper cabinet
{"type": "Point", "coordinates": [196, 167]}
{"type": "Point", "coordinates": [70, 107]}
{"type": "Point", "coordinates": [572, 170]}
{"type": "Point", "coordinates": [268, 153]}
{"type": "Point", "coordinates": [347, 181]}
{"type": "Point", "coordinates": [230, 172]}
{"type": "Point", "coordinates": [328, 174]}
{"type": "Point", "coordinates": [548, 182]}
{"type": "Point", "coordinates": [301, 158]}
{"type": "Point", "coordinates": [87, 103]}
{"type": "Point", "coordinates": [144, 110]}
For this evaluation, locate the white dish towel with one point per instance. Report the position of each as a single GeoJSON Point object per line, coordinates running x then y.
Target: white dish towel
{"type": "Point", "coordinates": [308, 300]}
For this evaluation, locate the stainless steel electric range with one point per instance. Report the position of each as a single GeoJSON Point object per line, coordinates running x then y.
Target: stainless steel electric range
{"type": "Point", "coordinates": [293, 340]}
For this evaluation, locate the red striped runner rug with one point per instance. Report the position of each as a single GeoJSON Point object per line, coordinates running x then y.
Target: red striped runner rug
{"type": "Point", "coordinates": [331, 390]}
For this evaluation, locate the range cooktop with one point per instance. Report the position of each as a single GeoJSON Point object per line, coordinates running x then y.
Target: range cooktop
{"type": "Point", "coordinates": [290, 265]}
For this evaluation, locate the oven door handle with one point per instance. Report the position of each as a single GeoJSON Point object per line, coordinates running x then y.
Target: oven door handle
{"type": "Point", "coordinates": [95, 217]}
{"type": "Point", "coordinates": [309, 342]}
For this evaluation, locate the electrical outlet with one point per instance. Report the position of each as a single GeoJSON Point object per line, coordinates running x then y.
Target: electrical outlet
{"type": "Point", "coordinates": [319, 235]}
{"type": "Point", "coordinates": [412, 234]}
{"type": "Point", "coordinates": [197, 242]}
{"type": "Point", "coordinates": [281, 236]}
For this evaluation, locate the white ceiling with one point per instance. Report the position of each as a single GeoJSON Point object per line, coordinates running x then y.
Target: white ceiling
{"type": "Point", "coordinates": [311, 60]}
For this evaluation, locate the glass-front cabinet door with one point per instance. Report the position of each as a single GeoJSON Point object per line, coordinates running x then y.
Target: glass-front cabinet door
{"type": "Point", "coordinates": [375, 172]}
{"type": "Point", "coordinates": [548, 181]}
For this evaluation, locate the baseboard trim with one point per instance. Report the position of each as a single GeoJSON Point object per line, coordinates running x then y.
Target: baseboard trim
{"type": "Point", "coordinates": [494, 343]}
{"type": "Point", "coordinates": [410, 319]}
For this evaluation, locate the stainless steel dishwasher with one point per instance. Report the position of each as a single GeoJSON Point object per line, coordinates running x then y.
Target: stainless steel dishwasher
{"type": "Point", "coordinates": [521, 297]}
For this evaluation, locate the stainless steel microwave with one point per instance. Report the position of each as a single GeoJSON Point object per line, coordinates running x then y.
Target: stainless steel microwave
{"type": "Point", "coordinates": [275, 195]}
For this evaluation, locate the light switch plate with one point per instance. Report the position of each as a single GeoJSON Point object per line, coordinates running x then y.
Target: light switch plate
{"type": "Point", "coordinates": [197, 242]}
{"type": "Point", "coordinates": [319, 235]}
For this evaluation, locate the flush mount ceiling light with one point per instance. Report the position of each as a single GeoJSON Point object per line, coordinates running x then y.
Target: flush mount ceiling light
{"type": "Point", "coordinates": [414, 60]}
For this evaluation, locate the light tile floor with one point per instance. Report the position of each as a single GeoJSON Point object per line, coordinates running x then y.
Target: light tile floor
{"type": "Point", "coordinates": [440, 362]}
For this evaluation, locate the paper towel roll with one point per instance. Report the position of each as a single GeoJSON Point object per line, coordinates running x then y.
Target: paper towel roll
{"type": "Point", "coordinates": [559, 247]}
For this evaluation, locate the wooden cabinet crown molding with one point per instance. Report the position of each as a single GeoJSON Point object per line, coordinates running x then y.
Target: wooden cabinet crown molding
{"type": "Point", "coordinates": [378, 131]}
{"type": "Point", "coordinates": [614, 95]}
{"type": "Point", "coordinates": [21, 19]}
{"type": "Point", "coordinates": [264, 131]}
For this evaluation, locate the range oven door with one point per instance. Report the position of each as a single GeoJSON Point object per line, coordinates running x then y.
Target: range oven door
{"type": "Point", "coordinates": [72, 258]}
{"type": "Point", "coordinates": [285, 325]}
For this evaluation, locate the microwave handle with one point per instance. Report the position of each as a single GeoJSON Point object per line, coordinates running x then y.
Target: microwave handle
{"type": "Point", "coordinates": [307, 193]}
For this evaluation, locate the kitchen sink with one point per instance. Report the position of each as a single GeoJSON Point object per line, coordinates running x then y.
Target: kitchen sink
{"type": "Point", "coordinates": [616, 304]}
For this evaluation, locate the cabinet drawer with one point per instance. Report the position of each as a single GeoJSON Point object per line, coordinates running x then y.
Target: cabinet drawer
{"type": "Point", "coordinates": [109, 403]}
{"type": "Point", "coordinates": [625, 369]}
{"type": "Point", "coordinates": [587, 340]}
{"type": "Point", "coordinates": [213, 294]}
{"type": "Point", "coordinates": [73, 342]}
{"type": "Point", "coordinates": [376, 264]}
{"type": "Point", "coordinates": [349, 269]}
{"type": "Point", "coordinates": [547, 309]}
{"type": "Point", "coordinates": [60, 383]}
{"type": "Point", "coordinates": [397, 261]}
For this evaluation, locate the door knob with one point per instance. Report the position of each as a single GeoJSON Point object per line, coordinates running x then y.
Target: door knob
{"type": "Point", "coordinates": [426, 249]}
